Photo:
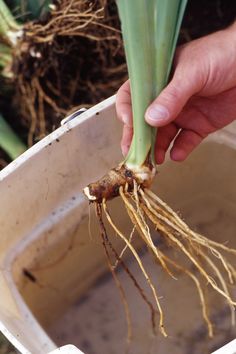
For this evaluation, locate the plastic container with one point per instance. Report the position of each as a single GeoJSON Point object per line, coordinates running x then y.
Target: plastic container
{"type": "Point", "coordinates": [229, 348]}
{"type": "Point", "coordinates": [54, 283]}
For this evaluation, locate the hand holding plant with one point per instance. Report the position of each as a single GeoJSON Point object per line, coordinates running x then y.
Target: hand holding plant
{"type": "Point", "coordinates": [200, 98]}
{"type": "Point", "coordinates": [150, 34]}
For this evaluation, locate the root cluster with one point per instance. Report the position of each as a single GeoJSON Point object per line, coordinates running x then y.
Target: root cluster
{"type": "Point", "coordinates": [207, 258]}
{"type": "Point", "coordinates": [74, 58]}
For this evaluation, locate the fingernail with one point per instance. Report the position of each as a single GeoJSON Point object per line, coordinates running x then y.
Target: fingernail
{"type": "Point", "coordinates": [157, 113]}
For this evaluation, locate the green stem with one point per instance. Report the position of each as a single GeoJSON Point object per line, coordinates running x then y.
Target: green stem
{"type": "Point", "coordinates": [9, 141]}
{"type": "Point", "coordinates": [8, 24]}
{"type": "Point", "coordinates": [150, 31]}
{"type": "Point", "coordinates": [5, 60]}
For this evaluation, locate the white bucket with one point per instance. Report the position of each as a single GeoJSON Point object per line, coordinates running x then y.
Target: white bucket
{"type": "Point", "coordinates": [51, 265]}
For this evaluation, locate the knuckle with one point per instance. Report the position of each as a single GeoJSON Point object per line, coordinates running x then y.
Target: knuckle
{"type": "Point", "coordinates": [172, 93]}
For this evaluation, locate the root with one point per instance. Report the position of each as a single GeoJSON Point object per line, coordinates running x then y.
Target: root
{"type": "Point", "coordinates": [184, 249]}
{"type": "Point", "coordinates": [147, 277]}
{"type": "Point", "coordinates": [147, 212]}
{"type": "Point", "coordinates": [108, 187]}
{"type": "Point", "coordinates": [49, 70]}
{"type": "Point", "coordinates": [125, 248]}
{"type": "Point", "coordinates": [185, 232]}
{"type": "Point", "coordinates": [106, 242]}
{"type": "Point", "coordinates": [145, 233]}
{"type": "Point", "coordinates": [184, 226]}
{"type": "Point", "coordinates": [223, 284]}
{"type": "Point", "coordinates": [200, 292]}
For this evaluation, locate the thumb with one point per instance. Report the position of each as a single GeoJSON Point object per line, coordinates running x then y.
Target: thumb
{"type": "Point", "coordinates": [166, 107]}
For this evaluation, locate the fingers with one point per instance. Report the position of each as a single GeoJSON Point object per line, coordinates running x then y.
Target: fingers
{"type": "Point", "coordinates": [188, 79]}
{"type": "Point", "coordinates": [124, 114]}
{"type": "Point", "coordinates": [126, 139]}
{"type": "Point", "coordinates": [184, 144]}
{"type": "Point", "coordinates": [123, 104]}
{"type": "Point", "coordinates": [166, 107]}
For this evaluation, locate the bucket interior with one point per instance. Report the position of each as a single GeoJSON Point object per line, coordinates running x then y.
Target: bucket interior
{"type": "Point", "coordinates": [63, 277]}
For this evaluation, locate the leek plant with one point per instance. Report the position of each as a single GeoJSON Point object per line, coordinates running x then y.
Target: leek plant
{"type": "Point", "coordinates": [150, 37]}
{"type": "Point", "coordinates": [150, 30]}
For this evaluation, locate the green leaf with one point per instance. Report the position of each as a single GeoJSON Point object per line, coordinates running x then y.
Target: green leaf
{"type": "Point", "coordinates": [150, 30]}
{"type": "Point", "coordinates": [7, 22]}
{"type": "Point", "coordinates": [5, 62]}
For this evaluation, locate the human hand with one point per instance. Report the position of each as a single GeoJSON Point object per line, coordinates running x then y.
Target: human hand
{"type": "Point", "coordinates": [200, 98]}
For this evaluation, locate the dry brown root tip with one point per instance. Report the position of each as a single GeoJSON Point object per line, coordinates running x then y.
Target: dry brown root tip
{"type": "Point", "coordinates": [109, 185]}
